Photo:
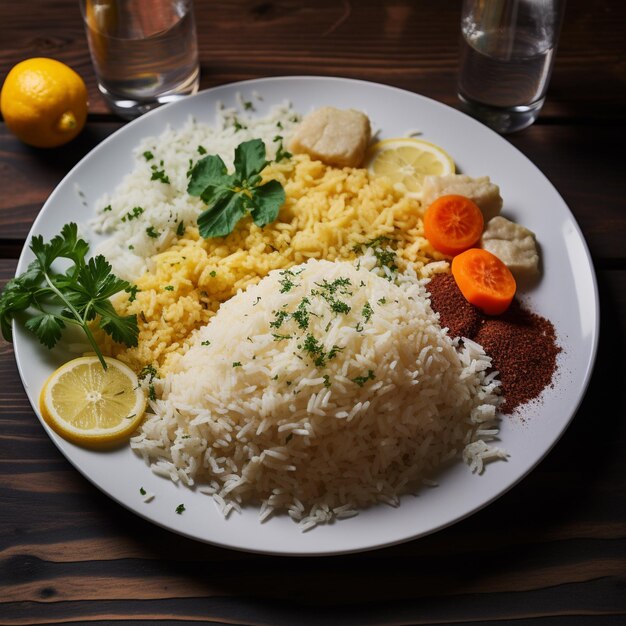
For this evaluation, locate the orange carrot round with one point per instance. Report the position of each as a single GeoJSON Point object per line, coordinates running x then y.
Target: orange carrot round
{"type": "Point", "coordinates": [484, 280]}
{"type": "Point", "coordinates": [453, 224]}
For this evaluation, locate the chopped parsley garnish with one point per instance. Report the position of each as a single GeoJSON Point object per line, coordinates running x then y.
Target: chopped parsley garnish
{"type": "Point", "coordinates": [367, 311]}
{"type": "Point", "coordinates": [286, 283]}
{"type": "Point", "coordinates": [180, 229]}
{"type": "Point", "coordinates": [158, 174]}
{"type": "Point", "coordinates": [150, 372]}
{"type": "Point", "coordinates": [169, 288]}
{"type": "Point", "coordinates": [180, 508]}
{"type": "Point", "coordinates": [201, 150]}
{"type": "Point", "coordinates": [279, 318]}
{"type": "Point", "coordinates": [382, 301]}
{"type": "Point", "coordinates": [151, 232]}
{"type": "Point", "coordinates": [231, 196]}
{"type": "Point", "coordinates": [301, 314]}
{"type": "Point", "coordinates": [237, 364]}
{"type": "Point", "coordinates": [315, 349]}
{"type": "Point", "coordinates": [384, 256]}
{"type": "Point", "coordinates": [339, 307]}
{"type": "Point", "coordinates": [281, 153]}
{"type": "Point", "coordinates": [133, 215]}
{"type": "Point", "coordinates": [148, 156]}
{"type": "Point", "coordinates": [107, 208]}
{"type": "Point", "coordinates": [361, 380]}
{"type": "Point", "coordinates": [326, 381]}
{"type": "Point", "coordinates": [132, 290]}
{"type": "Point", "coordinates": [206, 343]}
{"type": "Point", "coordinates": [212, 274]}
{"type": "Point", "coordinates": [280, 337]}
{"type": "Point", "coordinates": [75, 297]}
{"type": "Point", "coordinates": [142, 491]}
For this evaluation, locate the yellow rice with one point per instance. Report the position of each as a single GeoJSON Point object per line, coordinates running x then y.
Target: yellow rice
{"type": "Point", "coordinates": [327, 212]}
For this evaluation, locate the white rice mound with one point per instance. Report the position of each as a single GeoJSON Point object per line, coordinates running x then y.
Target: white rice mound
{"type": "Point", "coordinates": [251, 418]}
{"type": "Point", "coordinates": [142, 214]}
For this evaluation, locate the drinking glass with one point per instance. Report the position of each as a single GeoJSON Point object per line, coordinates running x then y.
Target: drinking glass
{"type": "Point", "coordinates": [507, 53]}
{"type": "Point", "coordinates": [144, 52]}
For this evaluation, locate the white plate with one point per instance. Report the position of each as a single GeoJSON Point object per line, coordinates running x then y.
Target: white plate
{"type": "Point", "coordinates": [567, 295]}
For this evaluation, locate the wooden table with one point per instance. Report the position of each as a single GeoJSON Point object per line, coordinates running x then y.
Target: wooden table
{"type": "Point", "coordinates": [551, 551]}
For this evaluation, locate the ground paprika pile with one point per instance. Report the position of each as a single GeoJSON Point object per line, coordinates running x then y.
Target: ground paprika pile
{"type": "Point", "coordinates": [522, 345]}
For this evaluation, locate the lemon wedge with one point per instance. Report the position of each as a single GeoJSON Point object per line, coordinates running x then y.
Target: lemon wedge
{"type": "Point", "coordinates": [406, 161]}
{"type": "Point", "coordinates": [91, 406]}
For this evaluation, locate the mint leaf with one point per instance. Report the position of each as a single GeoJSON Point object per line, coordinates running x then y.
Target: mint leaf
{"type": "Point", "coordinates": [267, 200]}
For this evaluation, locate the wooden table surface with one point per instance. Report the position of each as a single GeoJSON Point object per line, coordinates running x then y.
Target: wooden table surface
{"type": "Point", "coordinates": [551, 551]}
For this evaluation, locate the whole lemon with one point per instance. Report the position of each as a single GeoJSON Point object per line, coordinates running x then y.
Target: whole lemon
{"type": "Point", "coordinates": [44, 102]}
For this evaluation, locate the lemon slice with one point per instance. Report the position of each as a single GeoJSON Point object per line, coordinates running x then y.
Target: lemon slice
{"type": "Point", "coordinates": [405, 161]}
{"type": "Point", "coordinates": [91, 406]}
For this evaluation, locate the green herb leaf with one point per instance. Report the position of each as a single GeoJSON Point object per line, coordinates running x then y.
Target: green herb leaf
{"type": "Point", "coordinates": [122, 329]}
{"type": "Point", "coordinates": [267, 200]}
{"type": "Point", "coordinates": [221, 219]}
{"type": "Point", "coordinates": [207, 172]}
{"type": "Point", "coordinates": [250, 158]}
{"type": "Point", "coordinates": [54, 300]}
{"type": "Point", "coordinates": [230, 196]}
{"type": "Point", "coordinates": [47, 327]}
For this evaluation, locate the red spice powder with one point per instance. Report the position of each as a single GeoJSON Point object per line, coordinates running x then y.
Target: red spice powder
{"type": "Point", "coordinates": [522, 345]}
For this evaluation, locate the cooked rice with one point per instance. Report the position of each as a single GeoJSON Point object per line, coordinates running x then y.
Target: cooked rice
{"type": "Point", "coordinates": [183, 279]}
{"type": "Point", "coordinates": [144, 204]}
{"type": "Point", "coordinates": [356, 402]}
{"type": "Point", "coordinates": [329, 213]}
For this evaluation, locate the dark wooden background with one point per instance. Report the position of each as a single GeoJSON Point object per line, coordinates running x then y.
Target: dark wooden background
{"type": "Point", "coordinates": [551, 551]}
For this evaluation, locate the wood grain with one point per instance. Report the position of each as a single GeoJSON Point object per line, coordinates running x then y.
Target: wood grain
{"type": "Point", "coordinates": [552, 551]}
{"type": "Point", "coordinates": [411, 44]}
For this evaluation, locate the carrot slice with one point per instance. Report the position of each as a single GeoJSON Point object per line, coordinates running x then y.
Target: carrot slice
{"type": "Point", "coordinates": [453, 224]}
{"type": "Point", "coordinates": [484, 280]}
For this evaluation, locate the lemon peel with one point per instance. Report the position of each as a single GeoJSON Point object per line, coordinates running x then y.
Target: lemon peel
{"type": "Point", "coordinates": [91, 406]}
{"type": "Point", "coordinates": [44, 102]}
{"type": "Point", "coordinates": [406, 161]}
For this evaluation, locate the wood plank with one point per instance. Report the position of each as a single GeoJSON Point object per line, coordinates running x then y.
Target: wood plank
{"type": "Point", "coordinates": [411, 44]}
{"type": "Point", "coordinates": [29, 175]}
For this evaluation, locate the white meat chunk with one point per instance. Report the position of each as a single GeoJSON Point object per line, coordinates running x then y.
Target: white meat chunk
{"type": "Point", "coordinates": [514, 245]}
{"type": "Point", "coordinates": [334, 136]}
{"type": "Point", "coordinates": [481, 190]}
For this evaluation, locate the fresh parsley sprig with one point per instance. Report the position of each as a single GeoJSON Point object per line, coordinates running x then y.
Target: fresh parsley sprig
{"type": "Point", "coordinates": [230, 196]}
{"type": "Point", "coordinates": [53, 300]}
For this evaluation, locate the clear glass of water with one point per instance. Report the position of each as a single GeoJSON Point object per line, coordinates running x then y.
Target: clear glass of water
{"type": "Point", "coordinates": [144, 52]}
{"type": "Point", "coordinates": [507, 53]}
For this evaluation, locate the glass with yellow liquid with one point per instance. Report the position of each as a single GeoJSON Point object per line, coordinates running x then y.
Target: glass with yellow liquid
{"type": "Point", "coordinates": [144, 52]}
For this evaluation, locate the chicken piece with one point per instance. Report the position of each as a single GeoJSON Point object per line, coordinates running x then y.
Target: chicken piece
{"type": "Point", "coordinates": [481, 190]}
{"type": "Point", "coordinates": [334, 136]}
{"type": "Point", "coordinates": [514, 245]}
